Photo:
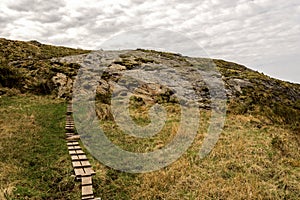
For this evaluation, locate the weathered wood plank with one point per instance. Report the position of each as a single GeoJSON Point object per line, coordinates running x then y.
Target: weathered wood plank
{"type": "Point", "coordinates": [82, 157]}
{"type": "Point", "coordinates": [74, 158]}
{"type": "Point", "coordinates": [73, 138]}
{"type": "Point", "coordinates": [72, 143]}
{"type": "Point", "coordinates": [80, 152]}
{"type": "Point", "coordinates": [72, 152]}
{"type": "Point", "coordinates": [79, 172]}
{"type": "Point", "coordinates": [74, 147]}
{"type": "Point", "coordinates": [79, 158]}
{"type": "Point", "coordinates": [89, 171]}
{"type": "Point", "coordinates": [87, 190]}
{"type": "Point", "coordinates": [90, 197]}
{"type": "Point", "coordinates": [76, 164]}
{"type": "Point", "coordinates": [86, 181]}
{"type": "Point", "coordinates": [85, 163]}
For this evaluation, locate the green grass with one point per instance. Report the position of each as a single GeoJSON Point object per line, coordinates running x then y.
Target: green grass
{"type": "Point", "coordinates": [34, 160]}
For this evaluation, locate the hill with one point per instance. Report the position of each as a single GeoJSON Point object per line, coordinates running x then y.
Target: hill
{"type": "Point", "coordinates": [33, 67]}
{"type": "Point", "coordinates": [257, 155]}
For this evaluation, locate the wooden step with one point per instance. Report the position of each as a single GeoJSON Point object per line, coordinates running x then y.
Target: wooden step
{"type": "Point", "coordinates": [81, 164]}
{"type": "Point", "coordinates": [73, 143]}
{"type": "Point", "coordinates": [84, 172]}
{"type": "Point", "coordinates": [74, 148]}
{"type": "Point", "coordinates": [86, 181]}
{"type": "Point", "coordinates": [76, 152]}
{"type": "Point", "coordinates": [79, 158]}
{"type": "Point", "coordinates": [87, 190]}
{"type": "Point", "coordinates": [91, 197]}
{"type": "Point", "coordinates": [73, 138]}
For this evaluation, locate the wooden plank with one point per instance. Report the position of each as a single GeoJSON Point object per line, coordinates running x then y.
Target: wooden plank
{"type": "Point", "coordinates": [77, 147]}
{"type": "Point", "coordinates": [70, 129]}
{"type": "Point", "coordinates": [80, 152]}
{"type": "Point", "coordinates": [74, 158]}
{"type": "Point", "coordinates": [89, 171]}
{"type": "Point", "coordinates": [90, 197]}
{"type": "Point", "coordinates": [87, 190]}
{"type": "Point", "coordinates": [76, 164]}
{"type": "Point", "coordinates": [71, 148]}
{"type": "Point", "coordinates": [72, 143]}
{"type": "Point", "coordinates": [70, 135]}
{"type": "Point", "coordinates": [79, 172]}
{"type": "Point", "coordinates": [73, 138]}
{"type": "Point", "coordinates": [86, 180]}
{"type": "Point", "coordinates": [74, 147]}
{"type": "Point", "coordinates": [79, 164]}
{"type": "Point", "coordinates": [86, 163]}
{"type": "Point", "coordinates": [72, 152]}
{"type": "Point", "coordinates": [79, 158]}
{"type": "Point", "coordinates": [82, 157]}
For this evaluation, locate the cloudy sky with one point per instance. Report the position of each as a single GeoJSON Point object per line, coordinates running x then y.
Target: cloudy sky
{"type": "Point", "coordinates": [262, 34]}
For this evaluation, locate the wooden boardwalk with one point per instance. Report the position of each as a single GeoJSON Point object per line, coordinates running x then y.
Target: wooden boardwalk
{"type": "Point", "coordinates": [82, 167]}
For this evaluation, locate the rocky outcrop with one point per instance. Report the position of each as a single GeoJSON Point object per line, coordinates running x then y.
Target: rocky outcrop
{"type": "Point", "coordinates": [64, 85]}
{"type": "Point", "coordinates": [157, 77]}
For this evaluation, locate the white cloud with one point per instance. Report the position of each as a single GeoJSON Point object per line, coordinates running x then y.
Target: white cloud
{"type": "Point", "coordinates": [257, 33]}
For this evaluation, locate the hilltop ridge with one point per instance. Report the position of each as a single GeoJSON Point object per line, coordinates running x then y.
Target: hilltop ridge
{"type": "Point", "coordinates": [42, 69]}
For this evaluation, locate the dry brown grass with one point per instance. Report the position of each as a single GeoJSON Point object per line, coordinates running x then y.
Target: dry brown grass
{"type": "Point", "coordinates": [250, 161]}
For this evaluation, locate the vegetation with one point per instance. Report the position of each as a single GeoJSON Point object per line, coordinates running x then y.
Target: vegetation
{"type": "Point", "coordinates": [34, 159]}
{"type": "Point", "coordinates": [251, 160]}
{"type": "Point", "coordinates": [27, 66]}
{"type": "Point", "coordinates": [257, 155]}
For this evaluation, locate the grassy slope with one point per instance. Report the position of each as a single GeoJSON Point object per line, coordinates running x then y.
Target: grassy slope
{"type": "Point", "coordinates": [257, 157]}
{"type": "Point", "coordinates": [34, 160]}
{"type": "Point", "coordinates": [250, 161]}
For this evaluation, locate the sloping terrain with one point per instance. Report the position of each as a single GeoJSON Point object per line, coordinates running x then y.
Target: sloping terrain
{"type": "Point", "coordinates": [257, 155]}
{"type": "Point", "coordinates": [26, 66]}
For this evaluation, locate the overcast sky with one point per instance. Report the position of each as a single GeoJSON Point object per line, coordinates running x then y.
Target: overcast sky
{"type": "Point", "coordinates": [262, 34]}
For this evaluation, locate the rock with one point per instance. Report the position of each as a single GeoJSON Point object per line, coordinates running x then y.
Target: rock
{"type": "Point", "coordinates": [238, 84]}
{"type": "Point", "coordinates": [117, 67]}
{"type": "Point", "coordinates": [63, 84]}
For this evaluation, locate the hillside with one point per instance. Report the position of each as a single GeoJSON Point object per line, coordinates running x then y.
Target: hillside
{"type": "Point", "coordinates": [32, 67]}
{"type": "Point", "coordinates": [26, 66]}
{"type": "Point", "coordinates": [257, 155]}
